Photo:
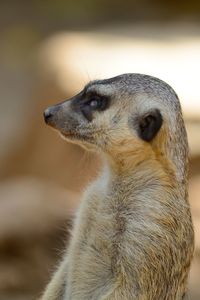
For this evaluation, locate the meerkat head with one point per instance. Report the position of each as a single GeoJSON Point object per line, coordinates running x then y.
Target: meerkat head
{"type": "Point", "coordinates": [127, 114]}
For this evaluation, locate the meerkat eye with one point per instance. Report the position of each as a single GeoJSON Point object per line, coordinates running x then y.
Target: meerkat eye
{"type": "Point", "coordinates": [97, 102]}
{"type": "Point", "coordinates": [149, 125]}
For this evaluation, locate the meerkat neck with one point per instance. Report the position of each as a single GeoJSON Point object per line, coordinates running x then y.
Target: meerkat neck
{"type": "Point", "coordinates": [147, 178]}
{"type": "Point", "coordinates": [123, 164]}
{"type": "Point", "coordinates": [141, 166]}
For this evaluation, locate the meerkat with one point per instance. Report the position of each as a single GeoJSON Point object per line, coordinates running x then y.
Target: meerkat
{"type": "Point", "coordinates": [133, 234]}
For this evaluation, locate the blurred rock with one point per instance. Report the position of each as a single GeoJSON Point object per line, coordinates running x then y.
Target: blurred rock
{"type": "Point", "coordinates": [194, 192]}
{"type": "Point", "coordinates": [32, 206]}
{"type": "Point", "coordinates": [34, 222]}
{"type": "Point", "coordinates": [193, 130]}
{"type": "Point", "coordinates": [16, 108]}
{"type": "Point", "coordinates": [194, 279]}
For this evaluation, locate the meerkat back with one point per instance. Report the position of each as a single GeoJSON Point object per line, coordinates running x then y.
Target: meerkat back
{"type": "Point", "coordinates": [133, 234]}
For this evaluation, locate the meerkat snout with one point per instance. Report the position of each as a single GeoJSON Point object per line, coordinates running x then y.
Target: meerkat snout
{"type": "Point", "coordinates": [51, 114]}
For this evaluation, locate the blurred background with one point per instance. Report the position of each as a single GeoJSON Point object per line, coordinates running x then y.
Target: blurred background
{"type": "Point", "coordinates": [48, 51]}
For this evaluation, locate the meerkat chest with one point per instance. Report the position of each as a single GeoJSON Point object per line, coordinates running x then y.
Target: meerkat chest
{"type": "Point", "coordinates": [99, 226]}
{"type": "Point", "coordinates": [90, 248]}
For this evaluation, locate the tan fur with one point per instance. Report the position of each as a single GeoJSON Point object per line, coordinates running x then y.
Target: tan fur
{"type": "Point", "coordinates": [133, 235]}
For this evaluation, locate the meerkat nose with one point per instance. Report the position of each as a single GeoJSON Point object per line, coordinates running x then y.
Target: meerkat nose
{"type": "Point", "coordinates": [48, 113]}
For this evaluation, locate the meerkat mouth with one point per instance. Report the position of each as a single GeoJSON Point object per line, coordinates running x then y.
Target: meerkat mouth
{"type": "Point", "coordinates": [68, 135]}
{"type": "Point", "coordinates": [71, 135]}
{"type": "Point", "coordinates": [75, 139]}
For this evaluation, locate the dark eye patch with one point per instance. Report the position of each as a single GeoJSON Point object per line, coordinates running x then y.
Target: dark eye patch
{"type": "Point", "coordinates": [88, 102]}
{"type": "Point", "coordinates": [92, 102]}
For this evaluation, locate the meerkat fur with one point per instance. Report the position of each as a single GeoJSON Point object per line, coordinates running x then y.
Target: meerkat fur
{"type": "Point", "coordinates": [133, 235]}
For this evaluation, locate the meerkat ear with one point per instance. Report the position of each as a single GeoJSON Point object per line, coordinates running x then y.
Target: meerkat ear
{"type": "Point", "coordinates": [150, 124]}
